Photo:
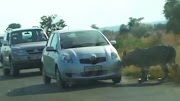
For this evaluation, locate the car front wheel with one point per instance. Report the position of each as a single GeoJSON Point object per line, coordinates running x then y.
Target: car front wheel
{"type": "Point", "coordinates": [6, 71]}
{"type": "Point", "coordinates": [13, 70]}
{"type": "Point", "coordinates": [61, 84]}
{"type": "Point", "coordinates": [46, 79]}
{"type": "Point", "coordinates": [116, 80]}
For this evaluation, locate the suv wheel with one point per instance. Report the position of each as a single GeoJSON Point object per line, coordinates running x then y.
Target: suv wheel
{"type": "Point", "coordinates": [13, 70]}
{"type": "Point", "coordinates": [6, 71]}
{"type": "Point", "coordinates": [61, 84]}
{"type": "Point", "coordinates": [116, 80]}
{"type": "Point", "coordinates": [46, 79]}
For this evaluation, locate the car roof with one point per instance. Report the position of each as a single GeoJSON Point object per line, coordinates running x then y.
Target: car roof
{"type": "Point", "coordinates": [21, 29]}
{"type": "Point", "coordinates": [74, 30]}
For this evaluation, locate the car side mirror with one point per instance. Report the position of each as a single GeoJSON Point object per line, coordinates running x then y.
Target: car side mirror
{"type": "Point", "coordinates": [113, 42]}
{"type": "Point", "coordinates": [50, 48]}
{"type": "Point", "coordinates": [5, 43]}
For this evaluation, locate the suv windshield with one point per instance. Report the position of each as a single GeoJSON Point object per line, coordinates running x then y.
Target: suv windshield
{"type": "Point", "coordinates": [25, 36]}
{"type": "Point", "coordinates": [1, 40]}
{"type": "Point", "coordinates": [82, 39]}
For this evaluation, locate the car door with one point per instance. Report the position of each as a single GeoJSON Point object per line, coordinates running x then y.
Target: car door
{"type": "Point", "coordinates": [45, 56]}
{"type": "Point", "coordinates": [52, 55]}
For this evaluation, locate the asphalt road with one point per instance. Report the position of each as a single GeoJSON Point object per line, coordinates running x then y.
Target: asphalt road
{"type": "Point", "coordinates": [29, 87]}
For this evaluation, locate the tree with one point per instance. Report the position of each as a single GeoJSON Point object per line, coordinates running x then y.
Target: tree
{"type": "Point", "coordinates": [171, 12]}
{"type": "Point", "coordinates": [159, 26]}
{"type": "Point", "coordinates": [13, 26]}
{"type": "Point", "coordinates": [142, 30]}
{"type": "Point", "coordinates": [51, 23]}
{"type": "Point", "coordinates": [123, 29]}
{"type": "Point", "coordinates": [94, 26]}
{"type": "Point", "coordinates": [134, 21]}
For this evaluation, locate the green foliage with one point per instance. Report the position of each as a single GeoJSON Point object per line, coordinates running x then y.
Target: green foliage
{"type": "Point", "coordinates": [141, 30]}
{"type": "Point", "coordinates": [14, 26]}
{"type": "Point", "coordinates": [134, 21]}
{"type": "Point", "coordinates": [160, 26]}
{"type": "Point", "coordinates": [136, 28]}
{"type": "Point", "coordinates": [94, 26]}
{"type": "Point", "coordinates": [123, 29]}
{"type": "Point", "coordinates": [52, 23]}
{"type": "Point", "coordinates": [171, 12]}
{"type": "Point", "coordinates": [110, 34]}
{"type": "Point", "coordinates": [129, 43]}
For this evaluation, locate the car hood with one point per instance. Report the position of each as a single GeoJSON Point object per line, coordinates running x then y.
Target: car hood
{"type": "Point", "coordinates": [30, 45]}
{"type": "Point", "coordinates": [87, 52]}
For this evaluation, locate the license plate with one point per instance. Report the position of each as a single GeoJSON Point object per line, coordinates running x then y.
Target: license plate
{"type": "Point", "coordinates": [93, 68]}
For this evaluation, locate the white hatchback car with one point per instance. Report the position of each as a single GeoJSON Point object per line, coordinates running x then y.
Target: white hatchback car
{"type": "Point", "coordinates": [76, 55]}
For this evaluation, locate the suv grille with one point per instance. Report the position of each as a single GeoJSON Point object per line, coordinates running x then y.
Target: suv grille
{"type": "Point", "coordinates": [88, 61]}
{"type": "Point", "coordinates": [34, 51]}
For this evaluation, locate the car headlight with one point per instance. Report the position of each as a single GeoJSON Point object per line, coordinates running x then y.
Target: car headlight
{"type": "Point", "coordinates": [19, 52]}
{"type": "Point", "coordinates": [114, 55]}
{"type": "Point", "coordinates": [66, 58]}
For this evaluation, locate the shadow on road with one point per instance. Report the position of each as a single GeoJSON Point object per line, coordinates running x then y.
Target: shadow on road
{"type": "Point", "coordinates": [52, 88]}
{"type": "Point", "coordinates": [139, 85]}
{"type": "Point", "coordinates": [22, 75]}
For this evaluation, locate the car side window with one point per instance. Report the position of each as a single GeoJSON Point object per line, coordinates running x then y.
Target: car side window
{"type": "Point", "coordinates": [54, 41]}
{"type": "Point", "coordinates": [50, 39]}
{"type": "Point", "coordinates": [6, 37]}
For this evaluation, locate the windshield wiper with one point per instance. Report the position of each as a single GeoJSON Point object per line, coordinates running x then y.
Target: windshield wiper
{"type": "Point", "coordinates": [101, 43]}
{"type": "Point", "coordinates": [82, 45]}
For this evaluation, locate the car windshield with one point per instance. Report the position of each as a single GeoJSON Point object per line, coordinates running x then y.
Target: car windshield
{"type": "Point", "coordinates": [82, 39]}
{"type": "Point", "coordinates": [25, 36]}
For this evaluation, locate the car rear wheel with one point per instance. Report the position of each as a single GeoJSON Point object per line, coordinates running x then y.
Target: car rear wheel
{"type": "Point", "coordinates": [6, 71]}
{"type": "Point", "coordinates": [13, 70]}
{"type": "Point", "coordinates": [46, 79]}
{"type": "Point", "coordinates": [116, 80]}
{"type": "Point", "coordinates": [61, 84]}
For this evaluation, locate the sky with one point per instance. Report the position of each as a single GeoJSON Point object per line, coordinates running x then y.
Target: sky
{"type": "Point", "coordinates": [79, 13]}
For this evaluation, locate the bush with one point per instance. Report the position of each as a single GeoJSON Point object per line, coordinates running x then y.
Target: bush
{"type": "Point", "coordinates": [142, 30]}
{"type": "Point", "coordinates": [129, 42]}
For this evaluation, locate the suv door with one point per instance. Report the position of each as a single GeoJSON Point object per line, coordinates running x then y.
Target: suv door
{"type": "Point", "coordinates": [6, 50]}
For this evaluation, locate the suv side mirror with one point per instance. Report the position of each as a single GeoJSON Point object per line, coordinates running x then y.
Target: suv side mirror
{"type": "Point", "coordinates": [113, 42]}
{"type": "Point", "coordinates": [50, 48]}
{"type": "Point", "coordinates": [5, 43]}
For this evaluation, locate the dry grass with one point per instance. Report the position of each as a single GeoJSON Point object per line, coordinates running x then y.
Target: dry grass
{"type": "Point", "coordinates": [132, 71]}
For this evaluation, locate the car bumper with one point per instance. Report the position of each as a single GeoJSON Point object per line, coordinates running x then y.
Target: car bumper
{"type": "Point", "coordinates": [26, 63]}
{"type": "Point", "coordinates": [71, 73]}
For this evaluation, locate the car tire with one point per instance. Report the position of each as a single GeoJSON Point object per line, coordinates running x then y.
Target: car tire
{"type": "Point", "coordinates": [13, 70]}
{"type": "Point", "coordinates": [6, 71]}
{"type": "Point", "coordinates": [61, 84]}
{"type": "Point", "coordinates": [116, 80]}
{"type": "Point", "coordinates": [46, 79]}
